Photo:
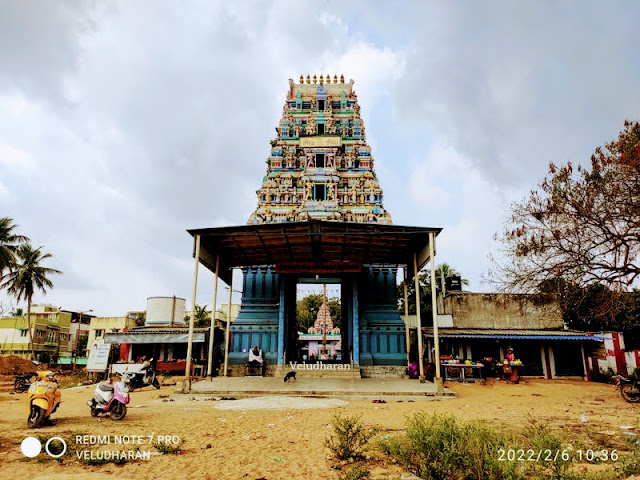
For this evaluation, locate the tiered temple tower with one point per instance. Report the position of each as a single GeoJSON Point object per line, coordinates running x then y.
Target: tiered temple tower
{"type": "Point", "coordinates": [323, 322]}
{"type": "Point", "coordinates": [320, 167]}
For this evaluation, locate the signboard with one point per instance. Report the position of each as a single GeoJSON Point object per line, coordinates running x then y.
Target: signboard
{"type": "Point", "coordinates": [99, 358]}
{"type": "Point", "coordinates": [333, 141]}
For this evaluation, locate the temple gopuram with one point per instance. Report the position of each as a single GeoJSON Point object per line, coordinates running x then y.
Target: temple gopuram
{"type": "Point", "coordinates": [320, 219]}
{"type": "Point", "coordinates": [320, 166]}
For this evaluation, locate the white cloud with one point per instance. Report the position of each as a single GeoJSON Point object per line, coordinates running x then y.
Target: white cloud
{"type": "Point", "coordinates": [124, 124]}
{"type": "Point", "coordinates": [15, 159]}
{"type": "Point", "coordinates": [516, 85]}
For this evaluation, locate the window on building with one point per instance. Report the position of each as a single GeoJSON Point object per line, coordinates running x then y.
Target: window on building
{"type": "Point", "coordinates": [99, 333]}
{"type": "Point", "coordinates": [320, 104]}
{"type": "Point", "coordinates": [40, 333]}
{"type": "Point", "coordinates": [321, 129]}
{"type": "Point", "coordinates": [23, 333]}
{"type": "Point", "coordinates": [62, 336]}
{"type": "Point", "coordinates": [319, 160]}
{"type": "Point", "coordinates": [319, 192]}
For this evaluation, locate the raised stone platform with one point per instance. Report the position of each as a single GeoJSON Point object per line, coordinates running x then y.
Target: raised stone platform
{"type": "Point", "coordinates": [366, 387]}
{"type": "Point", "coordinates": [238, 370]}
{"type": "Point", "coordinates": [383, 371]}
{"type": "Point", "coordinates": [308, 371]}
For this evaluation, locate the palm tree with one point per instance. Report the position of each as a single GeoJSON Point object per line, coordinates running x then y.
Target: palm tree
{"type": "Point", "coordinates": [202, 317]}
{"type": "Point", "coordinates": [425, 290]}
{"type": "Point", "coordinates": [26, 276]}
{"type": "Point", "coordinates": [9, 243]}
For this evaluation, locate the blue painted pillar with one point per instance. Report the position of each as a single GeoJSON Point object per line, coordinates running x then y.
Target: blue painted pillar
{"type": "Point", "coordinates": [356, 325]}
{"type": "Point", "coordinates": [281, 322]}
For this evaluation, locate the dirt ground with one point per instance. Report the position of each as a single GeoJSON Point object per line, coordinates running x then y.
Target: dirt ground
{"type": "Point", "coordinates": [288, 442]}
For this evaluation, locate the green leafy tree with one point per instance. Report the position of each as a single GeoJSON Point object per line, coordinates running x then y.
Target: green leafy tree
{"type": "Point", "coordinates": [141, 318]}
{"type": "Point", "coordinates": [335, 309]}
{"type": "Point", "coordinates": [307, 310]}
{"type": "Point", "coordinates": [425, 291]}
{"type": "Point", "coordinates": [594, 307]}
{"type": "Point", "coordinates": [82, 344]}
{"type": "Point", "coordinates": [9, 243]}
{"type": "Point", "coordinates": [27, 276]}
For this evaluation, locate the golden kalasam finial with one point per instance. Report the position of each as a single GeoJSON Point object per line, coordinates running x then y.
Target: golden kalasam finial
{"type": "Point", "coordinates": [335, 78]}
{"type": "Point", "coordinates": [301, 79]}
{"type": "Point", "coordinates": [321, 79]}
{"type": "Point", "coordinates": [341, 78]}
{"type": "Point", "coordinates": [328, 78]}
{"type": "Point", "coordinates": [315, 79]}
{"type": "Point", "coordinates": [308, 78]}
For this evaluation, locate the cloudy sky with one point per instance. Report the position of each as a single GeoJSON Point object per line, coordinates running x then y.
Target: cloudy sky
{"type": "Point", "coordinates": [123, 124]}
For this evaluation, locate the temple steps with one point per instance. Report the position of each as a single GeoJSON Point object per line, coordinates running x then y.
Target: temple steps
{"type": "Point", "coordinates": [324, 373]}
{"type": "Point", "coordinates": [368, 371]}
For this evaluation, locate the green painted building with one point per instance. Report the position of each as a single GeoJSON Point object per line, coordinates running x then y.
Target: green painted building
{"type": "Point", "coordinates": [50, 329]}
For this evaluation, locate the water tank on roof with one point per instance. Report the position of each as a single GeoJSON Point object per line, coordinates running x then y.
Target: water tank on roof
{"type": "Point", "coordinates": [164, 311]}
{"type": "Point", "coordinates": [453, 283]}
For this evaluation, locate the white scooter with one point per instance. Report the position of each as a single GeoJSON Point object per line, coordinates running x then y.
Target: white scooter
{"type": "Point", "coordinates": [111, 399]}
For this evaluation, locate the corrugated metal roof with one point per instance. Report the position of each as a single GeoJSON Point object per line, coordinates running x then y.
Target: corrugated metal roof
{"type": "Point", "coordinates": [152, 330]}
{"type": "Point", "coordinates": [313, 244]}
{"type": "Point", "coordinates": [515, 334]}
{"type": "Point", "coordinates": [157, 335]}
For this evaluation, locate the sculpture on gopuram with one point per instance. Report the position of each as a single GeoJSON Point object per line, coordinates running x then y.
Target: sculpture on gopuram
{"type": "Point", "coordinates": [320, 167]}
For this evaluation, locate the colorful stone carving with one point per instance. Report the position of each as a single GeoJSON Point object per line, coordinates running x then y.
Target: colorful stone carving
{"type": "Point", "coordinates": [320, 167]}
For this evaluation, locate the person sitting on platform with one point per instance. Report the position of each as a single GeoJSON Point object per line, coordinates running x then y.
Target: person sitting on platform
{"type": "Point", "coordinates": [256, 359]}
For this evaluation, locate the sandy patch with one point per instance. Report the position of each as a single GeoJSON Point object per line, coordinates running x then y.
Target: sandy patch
{"type": "Point", "coordinates": [288, 442]}
{"type": "Point", "coordinates": [273, 402]}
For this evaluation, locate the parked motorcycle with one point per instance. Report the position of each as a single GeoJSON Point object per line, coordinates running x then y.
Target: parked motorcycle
{"type": "Point", "coordinates": [111, 399]}
{"type": "Point", "coordinates": [629, 388]}
{"type": "Point", "coordinates": [22, 382]}
{"type": "Point", "coordinates": [43, 399]}
{"type": "Point", "coordinates": [145, 377]}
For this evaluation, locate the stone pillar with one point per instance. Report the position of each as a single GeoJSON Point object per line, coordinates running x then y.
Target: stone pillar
{"type": "Point", "coordinates": [281, 324]}
{"type": "Point", "coordinates": [257, 322]}
{"type": "Point", "coordinates": [356, 324]}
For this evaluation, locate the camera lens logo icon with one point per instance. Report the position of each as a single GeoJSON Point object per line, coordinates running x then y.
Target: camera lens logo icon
{"type": "Point", "coordinates": [31, 447]}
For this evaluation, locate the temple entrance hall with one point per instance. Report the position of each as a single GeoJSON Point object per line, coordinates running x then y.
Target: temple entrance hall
{"type": "Point", "coordinates": [320, 220]}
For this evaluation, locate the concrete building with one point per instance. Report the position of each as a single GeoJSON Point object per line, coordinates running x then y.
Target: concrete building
{"type": "Point", "coordinates": [100, 326]}
{"type": "Point", "coordinates": [221, 314]}
{"type": "Point", "coordinates": [164, 337]}
{"type": "Point", "coordinates": [50, 329]}
{"type": "Point", "coordinates": [479, 326]}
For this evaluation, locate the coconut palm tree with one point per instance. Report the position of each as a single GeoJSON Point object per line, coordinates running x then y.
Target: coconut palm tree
{"type": "Point", "coordinates": [202, 318]}
{"type": "Point", "coordinates": [9, 242]}
{"type": "Point", "coordinates": [27, 276]}
{"type": "Point", "coordinates": [443, 270]}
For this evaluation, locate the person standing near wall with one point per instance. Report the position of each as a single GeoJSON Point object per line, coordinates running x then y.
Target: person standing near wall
{"type": "Point", "coordinates": [514, 369]}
